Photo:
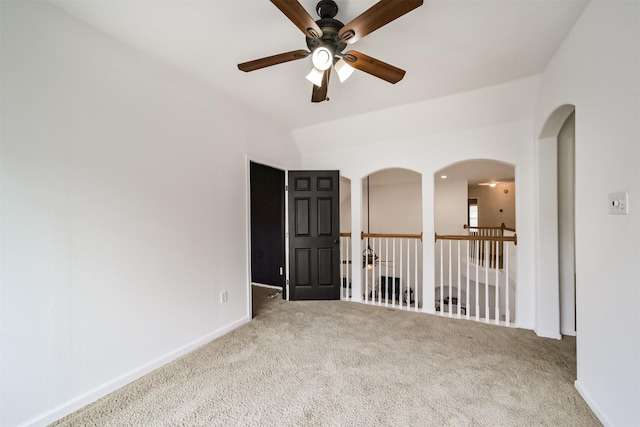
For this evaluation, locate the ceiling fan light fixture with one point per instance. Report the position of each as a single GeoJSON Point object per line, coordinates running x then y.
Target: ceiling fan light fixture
{"type": "Point", "coordinates": [315, 76]}
{"type": "Point", "coordinates": [327, 37]}
{"type": "Point", "coordinates": [344, 70]}
{"type": "Point", "coordinates": [322, 58]}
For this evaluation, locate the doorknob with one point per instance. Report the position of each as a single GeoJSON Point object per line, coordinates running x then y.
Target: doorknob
{"type": "Point", "coordinates": [335, 242]}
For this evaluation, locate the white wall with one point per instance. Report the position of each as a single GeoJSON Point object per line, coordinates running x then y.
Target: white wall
{"type": "Point", "coordinates": [450, 205]}
{"type": "Point", "coordinates": [345, 205]}
{"type": "Point", "coordinates": [396, 204]}
{"type": "Point", "coordinates": [495, 207]}
{"type": "Point", "coordinates": [124, 193]}
{"type": "Point", "coordinates": [597, 70]}
{"type": "Point", "coordinates": [491, 123]}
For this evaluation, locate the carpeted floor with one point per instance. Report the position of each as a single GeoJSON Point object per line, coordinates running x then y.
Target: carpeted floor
{"type": "Point", "coordinates": [334, 363]}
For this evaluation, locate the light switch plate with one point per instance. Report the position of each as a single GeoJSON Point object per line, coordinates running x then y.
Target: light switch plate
{"type": "Point", "coordinates": [619, 203]}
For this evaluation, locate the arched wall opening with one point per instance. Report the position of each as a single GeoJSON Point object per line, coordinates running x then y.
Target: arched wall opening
{"type": "Point", "coordinates": [390, 205]}
{"type": "Point", "coordinates": [484, 180]}
{"type": "Point", "coordinates": [555, 256]}
{"type": "Point", "coordinates": [392, 201]}
{"type": "Point", "coordinates": [474, 197]}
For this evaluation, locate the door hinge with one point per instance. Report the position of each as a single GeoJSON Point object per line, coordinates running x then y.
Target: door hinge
{"type": "Point", "coordinates": [286, 188]}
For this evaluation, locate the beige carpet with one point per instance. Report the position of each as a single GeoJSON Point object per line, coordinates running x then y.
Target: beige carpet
{"type": "Point", "coordinates": [347, 364]}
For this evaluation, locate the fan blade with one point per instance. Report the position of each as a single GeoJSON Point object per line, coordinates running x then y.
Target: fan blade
{"type": "Point", "coordinates": [375, 17]}
{"type": "Point", "coordinates": [374, 66]}
{"type": "Point", "coordinates": [272, 60]}
{"type": "Point", "coordinates": [319, 93]}
{"type": "Point", "coordinates": [299, 16]}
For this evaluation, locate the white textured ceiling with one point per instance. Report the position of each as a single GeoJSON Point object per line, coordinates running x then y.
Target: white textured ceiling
{"type": "Point", "coordinates": [446, 47]}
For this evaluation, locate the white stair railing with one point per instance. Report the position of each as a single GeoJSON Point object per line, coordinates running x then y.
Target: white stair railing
{"type": "Point", "coordinates": [346, 271]}
{"type": "Point", "coordinates": [475, 277]}
{"type": "Point", "coordinates": [392, 270]}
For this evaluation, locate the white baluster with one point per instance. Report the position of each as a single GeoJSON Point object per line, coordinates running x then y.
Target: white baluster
{"type": "Point", "coordinates": [477, 280]}
{"type": "Point", "coordinates": [468, 280]}
{"type": "Point", "coordinates": [416, 275]}
{"type": "Point", "coordinates": [486, 280]}
{"type": "Point", "coordinates": [366, 274]}
{"type": "Point", "coordinates": [408, 287]}
{"type": "Point", "coordinates": [459, 300]}
{"type": "Point", "coordinates": [450, 280]}
{"type": "Point", "coordinates": [497, 265]}
{"type": "Point", "coordinates": [395, 271]}
{"type": "Point", "coordinates": [342, 271]}
{"type": "Point", "coordinates": [386, 271]}
{"type": "Point", "coordinates": [401, 268]}
{"type": "Point", "coordinates": [507, 304]}
{"type": "Point", "coordinates": [441, 276]}
{"type": "Point", "coordinates": [349, 268]}
{"type": "Point", "coordinates": [378, 269]}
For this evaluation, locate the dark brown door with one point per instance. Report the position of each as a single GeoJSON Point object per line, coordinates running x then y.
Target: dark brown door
{"type": "Point", "coordinates": [267, 225]}
{"type": "Point", "coordinates": [314, 235]}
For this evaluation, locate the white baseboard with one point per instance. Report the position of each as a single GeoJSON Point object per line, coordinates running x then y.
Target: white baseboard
{"type": "Point", "coordinates": [96, 393]}
{"type": "Point", "coordinates": [548, 334]}
{"type": "Point", "coordinates": [519, 325]}
{"type": "Point", "coordinates": [595, 408]}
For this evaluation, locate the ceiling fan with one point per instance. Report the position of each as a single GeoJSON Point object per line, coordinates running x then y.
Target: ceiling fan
{"type": "Point", "coordinates": [327, 37]}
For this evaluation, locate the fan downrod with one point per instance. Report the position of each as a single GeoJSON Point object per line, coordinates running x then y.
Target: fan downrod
{"type": "Point", "coordinates": [327, 9]}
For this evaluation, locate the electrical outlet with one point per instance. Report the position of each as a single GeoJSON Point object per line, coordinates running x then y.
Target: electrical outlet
{"type": "Point", "coordinates": [619, 203]}
{"type": "Point", "coordinates": [223, 296]}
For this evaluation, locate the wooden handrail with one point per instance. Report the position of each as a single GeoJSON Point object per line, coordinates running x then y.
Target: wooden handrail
{"type": "Point", "coordinates": [513, 238]}
{"type": "Point", "coordinates": [345, 234]}
{"type": "Point", "coordinates": [483, 227]}
{"type": "Point", "coordinates": [364, 235]}
{"type": "Point", "coordinates": [500, 227]}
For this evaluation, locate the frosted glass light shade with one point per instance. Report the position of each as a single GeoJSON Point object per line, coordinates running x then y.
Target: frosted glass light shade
{"type": "Point", "coordinates": [344, 70]}
{"type": "Point", "coordinates": [315, 76]}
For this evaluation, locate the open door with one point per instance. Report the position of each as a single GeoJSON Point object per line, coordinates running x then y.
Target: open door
{"type": "Point", "coordinates": [267, 225]}
{"type": "Point", "coordinates": [314, 235]}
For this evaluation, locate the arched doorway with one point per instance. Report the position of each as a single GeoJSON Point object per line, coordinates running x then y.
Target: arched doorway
{"type": "Point", "coordinates": [566, 226]}
{"type": "Point", "coordinates": [556, 285]}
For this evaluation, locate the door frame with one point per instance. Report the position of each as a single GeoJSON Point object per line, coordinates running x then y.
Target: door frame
{"type": "Point", "coordinates": [313, 240]}
{"type": "Point", "coordinates": [268, 224]}
{"type": "Point", "coordinates": [255, 159]}
{"type": "Point", "coordinates": [269, 163]}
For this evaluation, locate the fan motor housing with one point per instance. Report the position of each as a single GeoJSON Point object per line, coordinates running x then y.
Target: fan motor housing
{"type": "Point", "coordinates": [330, 27]}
